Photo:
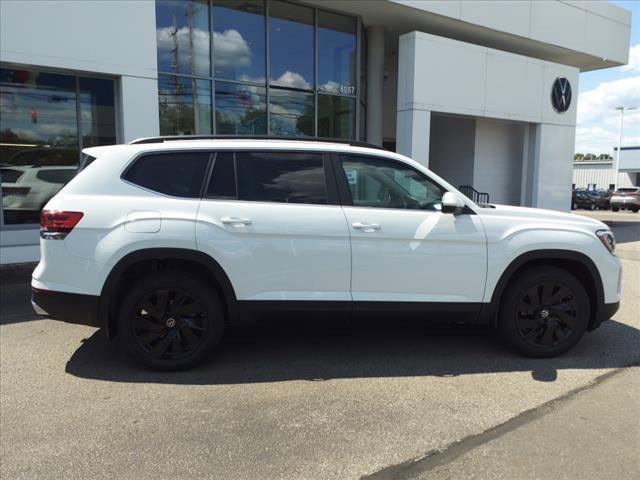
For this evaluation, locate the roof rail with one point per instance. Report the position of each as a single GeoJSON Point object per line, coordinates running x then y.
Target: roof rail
{"type": "Point", "coordinates": [173, 138]}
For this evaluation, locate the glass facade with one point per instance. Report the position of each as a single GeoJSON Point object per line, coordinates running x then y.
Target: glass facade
{"type": "Point", "coordinates": [45, 120]}
{"type": "Point", "coordinates": [274, 67]}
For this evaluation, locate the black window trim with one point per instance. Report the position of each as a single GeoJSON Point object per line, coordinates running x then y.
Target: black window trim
{"type": "Point", "coordinates": [140, 155]}
{"type": "Point", "coordinates": [343, 185]}
{"type": "Point", "coordinates": [333, 198]}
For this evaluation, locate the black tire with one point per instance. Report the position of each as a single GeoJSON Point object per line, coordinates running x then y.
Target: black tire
{"type": "Point", "coordinates": [544, 312]}
{"type": "Point", "coordinates": [614, 209]}
{"type": "Point", "coordinates": [635, 210]}
{"type": "Point", "coordinates": [171, 320]}
{"type": "Point", "coordinates": [574, 206]}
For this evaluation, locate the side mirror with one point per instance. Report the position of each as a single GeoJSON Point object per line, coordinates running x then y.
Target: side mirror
{"type": "Point", "coordinates": [451, 203]}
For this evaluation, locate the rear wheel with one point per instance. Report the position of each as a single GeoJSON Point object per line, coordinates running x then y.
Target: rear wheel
{"type": "Point", "coordinates": [544, 312]}
{"type": "Point", "coordinates": [170, 320]}
{"type": "Point", "coordinates": [614, 209]}
{"type": "Point", "coordinates": [635, 210]}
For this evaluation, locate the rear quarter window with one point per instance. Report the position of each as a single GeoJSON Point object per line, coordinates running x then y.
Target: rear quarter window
{"type": "Point", "coordinates": [178, 174]}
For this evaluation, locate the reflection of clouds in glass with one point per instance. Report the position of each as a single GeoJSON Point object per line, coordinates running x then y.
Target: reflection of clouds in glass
{"type": "Point", "coordinates": [167, 42]}
{"type": "Point", "coordinates": [231, 49]}
{"type": "Point", "coordinates": [291, 80]}
{"type": "Point", "coordinates": [331, 87]}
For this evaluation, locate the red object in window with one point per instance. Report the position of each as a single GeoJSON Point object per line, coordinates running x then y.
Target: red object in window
{"type": "Point", "coordinates": [34, 115]}
{"type": "Point", "coordinates": [58, 222]}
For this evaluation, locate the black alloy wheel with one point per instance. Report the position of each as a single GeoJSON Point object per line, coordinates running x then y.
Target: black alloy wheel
{"type": "Point", "coordinates": [171, 320]}
{"type": "Point", "coordinates": [169, 324]}
{"type": "Point", "coordinates": [544, 311]}
{"type": "Point", "coordinates": [547, 314]}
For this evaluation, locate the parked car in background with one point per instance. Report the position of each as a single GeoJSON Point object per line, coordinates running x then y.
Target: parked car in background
{"type": "Point", "coordinates": [601, 198]}
{"type": "Point", "coordinates": [582, 199]}
{"type": "Point", "coordinates": [628, 198]}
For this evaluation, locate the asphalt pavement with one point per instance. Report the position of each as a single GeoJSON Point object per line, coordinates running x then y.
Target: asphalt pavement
{"type": "Point", "coordinates": [318, 400]}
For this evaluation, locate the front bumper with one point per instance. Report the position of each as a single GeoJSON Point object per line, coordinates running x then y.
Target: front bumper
{"type": "Point", "coordinates": [68, 307]}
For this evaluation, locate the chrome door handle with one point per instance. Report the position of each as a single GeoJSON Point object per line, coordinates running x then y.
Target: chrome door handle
{"type": "Point", "coordinates": [236, 222]}
{"type": "Point", "coordinates": [366, 227]}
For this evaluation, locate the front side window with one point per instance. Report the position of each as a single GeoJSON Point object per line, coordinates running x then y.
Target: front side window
{"type": "Point", "coordinates": [179, 174]}
{"type": "Point", "coordinates": [283, 177]}
{"type": "Point", "coordinates": [383, 183]}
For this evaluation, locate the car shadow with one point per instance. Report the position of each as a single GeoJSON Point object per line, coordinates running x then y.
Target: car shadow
{"type": "Point", "coordinates": [287, 351]}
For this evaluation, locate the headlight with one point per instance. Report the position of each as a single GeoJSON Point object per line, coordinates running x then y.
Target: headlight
{"type": "Point", "coordinates": [607, 239]}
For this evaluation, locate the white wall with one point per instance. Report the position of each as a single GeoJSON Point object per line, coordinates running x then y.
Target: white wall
{"type": "Point", "coordinates": [470, 80]}
{"type": "Point", "coordinates": [600, 173]}
{"type": "Point", "coordinates": [497, 167]}
{"type": "Point", "coordinates": [590, 27]}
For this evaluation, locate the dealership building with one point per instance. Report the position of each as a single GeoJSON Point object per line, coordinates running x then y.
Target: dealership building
{"type": "Point", "coordinates": [484, 93]}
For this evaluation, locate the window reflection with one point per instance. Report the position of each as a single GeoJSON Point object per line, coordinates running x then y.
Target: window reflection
{"type": "Point", "coordinates": [291, 45]}
{"type": "Point", "coordinates": [291, 113]}
{"type": "Point", "coordinates": [97, 112]}
{"type": "Point", "coordinates": [336, 53]}
{"type": "Point", "coordinates": [185, 105]}
{"type": "Point", "coordinates": [240, 109]}
{"type": "Point", "coordinates": [39, 135]}
{"type": "Point", "coordinates": [238, 40]}
{"type": "Point", "coordinates": [336, 116]}
{"type": "Point", "coordinates": [182, 34]}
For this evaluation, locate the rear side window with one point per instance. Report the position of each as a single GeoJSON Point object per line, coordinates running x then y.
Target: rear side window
{"type": "Point", "coordinates": [223, 177]}
{"type": "Point", "coordinates": [179, 174]}
{"type": "Point", "coordinates": [284, 177]}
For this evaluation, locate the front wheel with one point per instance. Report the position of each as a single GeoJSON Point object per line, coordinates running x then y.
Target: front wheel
{"type": "Point", "coordinates": [544, 312]}
{"type": "Point", "coordinates": [171, 320]}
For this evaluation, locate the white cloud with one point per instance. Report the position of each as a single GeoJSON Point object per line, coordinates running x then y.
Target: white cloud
{"type": "Point", "coordinates": [598, 121]}
{"type": "Point", "coordinates": [634, 59]}
{"type": "Point", "coordinates": [231, 49]}
{"type": "Point", "coordinates": [292, 80]}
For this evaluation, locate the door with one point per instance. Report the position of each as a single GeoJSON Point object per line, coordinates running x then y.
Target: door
{"type": "Point", "coordinates": [274, 224]}
{"type": "Point", "coordinates": [404, 249]}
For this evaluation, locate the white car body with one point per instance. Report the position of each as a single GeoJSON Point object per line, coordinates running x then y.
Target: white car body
{"type": "Point", "coordinates": [282, 252]}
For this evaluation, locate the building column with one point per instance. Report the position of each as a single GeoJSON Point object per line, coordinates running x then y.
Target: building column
{"type": "Point", "coordinates": [413, 129]}
{"type": "Point", "coordinates": [375, 83]}
{"type": "Point", "coordinates": [138, 108]}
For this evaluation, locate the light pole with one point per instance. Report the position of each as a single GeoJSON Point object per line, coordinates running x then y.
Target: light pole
{"type": "Point", "coordinates": [617, 166]}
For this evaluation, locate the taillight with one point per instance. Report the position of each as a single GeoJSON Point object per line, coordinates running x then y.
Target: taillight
{"type": "Point", "coordinates": [57, 225]}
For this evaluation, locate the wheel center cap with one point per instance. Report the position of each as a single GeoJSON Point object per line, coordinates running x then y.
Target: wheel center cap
{"type": "Point", "coordinates": [170, 322]}
{"type": "Point", "coordinates": [544, 313]}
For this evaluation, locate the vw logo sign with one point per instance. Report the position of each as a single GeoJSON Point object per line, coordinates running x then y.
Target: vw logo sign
{"type": "Point", "coordinates": [561, 95]}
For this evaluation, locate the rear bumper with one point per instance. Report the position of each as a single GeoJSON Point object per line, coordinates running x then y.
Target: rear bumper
{"type": "Point", "coordinates": [604, 313]}
{"type": "Point", "coordinates": [68, 307]}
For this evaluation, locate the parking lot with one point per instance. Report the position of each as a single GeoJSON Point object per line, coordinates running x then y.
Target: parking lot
{"type": "Point", "coordinates": [316, 400]}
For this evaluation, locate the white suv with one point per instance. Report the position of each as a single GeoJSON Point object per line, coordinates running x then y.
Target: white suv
{"type": "Point", "coordinates": [166, 241]}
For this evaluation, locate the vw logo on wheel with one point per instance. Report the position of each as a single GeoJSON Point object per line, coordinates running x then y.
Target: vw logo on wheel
{"type": "Point", "coordinates": [561, 95]}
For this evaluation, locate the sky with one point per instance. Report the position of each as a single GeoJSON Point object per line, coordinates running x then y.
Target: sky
{"type": "Point", "coordinates": [601, 90]}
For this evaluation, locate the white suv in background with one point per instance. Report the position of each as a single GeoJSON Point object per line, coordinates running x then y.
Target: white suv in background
{"type": "Point", "coordinates": [166, 241]}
